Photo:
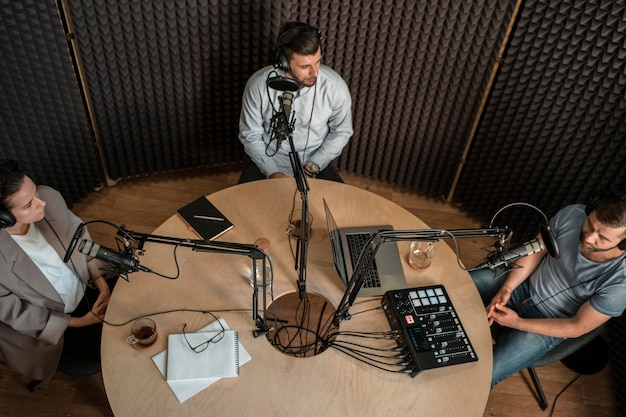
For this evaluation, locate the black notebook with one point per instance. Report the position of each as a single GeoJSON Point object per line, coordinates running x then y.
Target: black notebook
{"type": "Point", "coordinates": [203, 218]}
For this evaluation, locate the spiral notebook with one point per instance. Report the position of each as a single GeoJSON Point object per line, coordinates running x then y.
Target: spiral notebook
{"type": "Point", "coordinates": [218, 360]}
{"type": "Point", "coordinates": [183, 390]}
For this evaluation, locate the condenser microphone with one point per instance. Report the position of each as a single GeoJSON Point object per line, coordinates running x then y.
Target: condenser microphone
{"type": "Point", "coordinates": [286, 100]}
{"type": "Point", "coordinates": [506, 257]}
{"type": "Point", "coordinates": [125, 263]}
{"type": "Point", "coordinates": [280, 127]}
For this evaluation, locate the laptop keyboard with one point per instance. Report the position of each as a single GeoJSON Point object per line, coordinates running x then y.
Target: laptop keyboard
{"type": "Point", "coordinates": [356, 242]}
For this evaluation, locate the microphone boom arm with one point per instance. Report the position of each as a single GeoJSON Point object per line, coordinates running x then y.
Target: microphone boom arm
{"type": "Point", "coordinates": [200, 245]}
{"type": "Point", "coordinates": [302, 185]}
{"type": "Point", "coordinates": [371, 247]}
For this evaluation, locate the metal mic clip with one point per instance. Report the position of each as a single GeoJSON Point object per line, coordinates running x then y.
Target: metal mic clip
{"type": "Point", "coordinates": [261, 332]}
{"type": "Point", "coordinates": [504, 239]}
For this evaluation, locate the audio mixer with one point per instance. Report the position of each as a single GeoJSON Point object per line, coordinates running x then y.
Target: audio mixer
{"type": "Point", "coordinates": [429, 329]}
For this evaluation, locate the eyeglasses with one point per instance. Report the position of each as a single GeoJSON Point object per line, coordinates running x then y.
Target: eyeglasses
{"type": "Point", "coordinates": [204, 345]}
{"type": "Point", "coordinates": [6, 166]}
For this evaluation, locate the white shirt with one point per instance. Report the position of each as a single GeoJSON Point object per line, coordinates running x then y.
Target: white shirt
{"type": "Point", "coordinates": [64, 281]}
{"type": "Point", "coordinates": [323, 121]}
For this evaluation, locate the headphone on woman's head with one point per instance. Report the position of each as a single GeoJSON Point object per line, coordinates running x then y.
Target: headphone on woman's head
{"type": "Point", "coordinates": [281, 62]}
{"type": "Point", "coordinates": [6, 167]}
{"type": "Point", "coordinates": [601, 195]}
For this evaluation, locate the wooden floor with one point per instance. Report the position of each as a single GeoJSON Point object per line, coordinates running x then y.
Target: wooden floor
{"type": "Point", "coordinates": [145, 203]}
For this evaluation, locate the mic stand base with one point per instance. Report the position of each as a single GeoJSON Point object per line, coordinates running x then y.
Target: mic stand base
{"type": "Point", "coordinates": [339, 317]}
{"type": "Point", "coordinates": [261, 328]}
{"type": "Point", "coordinates": [303, 325]}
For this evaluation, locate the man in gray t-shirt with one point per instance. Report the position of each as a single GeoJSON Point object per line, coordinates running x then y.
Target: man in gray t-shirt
{"type": "Point", "coordinates": [550, 299]}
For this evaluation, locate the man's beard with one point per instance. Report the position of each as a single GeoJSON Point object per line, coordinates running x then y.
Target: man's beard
{"type": "Point", "coordinates": [309, 82]}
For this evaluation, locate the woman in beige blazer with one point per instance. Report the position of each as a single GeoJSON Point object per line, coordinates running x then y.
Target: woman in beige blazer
{"type": "Point", "coordinates": [33, 315]}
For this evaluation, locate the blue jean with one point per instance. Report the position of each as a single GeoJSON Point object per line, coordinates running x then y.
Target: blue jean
{"type": "Point", "coordinates": [514, 350]}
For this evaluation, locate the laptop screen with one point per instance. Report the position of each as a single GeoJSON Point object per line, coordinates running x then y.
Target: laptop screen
{"type": "Point", "coordinates": [335, 244]}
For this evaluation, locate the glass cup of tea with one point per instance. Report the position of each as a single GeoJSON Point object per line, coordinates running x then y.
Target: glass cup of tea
{"type": "Point", "coordinates": [143, 333]}
{"type": "Point", "coordinates": [294, 228]}
{"type": "Point", "coordinates": [265, 246]}
{"type": "Point", "coordinates": [421, 254]}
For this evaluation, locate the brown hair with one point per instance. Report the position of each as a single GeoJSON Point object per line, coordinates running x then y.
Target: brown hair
{"type": "Point", "coordinates": [11, 180]}
{"type": "Point", "coordinates": [611, 211]}
{"type": "Point", "coordinates": [299, 38]}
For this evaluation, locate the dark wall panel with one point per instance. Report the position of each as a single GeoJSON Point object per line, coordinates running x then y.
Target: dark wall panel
{"type": "Point", "coordinates": [555, 126]}
{"type": "Point", "coordinates": [43, 119]}
{"type": "Point", "coordinates": [418, 71]}
{"type": "Point", "coordinates": [166, 78]}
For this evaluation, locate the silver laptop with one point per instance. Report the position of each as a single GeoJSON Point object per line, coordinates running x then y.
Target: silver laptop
{"type": "Point", "coordinates": [384, 274]}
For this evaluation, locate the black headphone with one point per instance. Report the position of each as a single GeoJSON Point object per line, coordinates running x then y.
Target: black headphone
{"type": "Point", "coordinates": [281, 62]}
{"type": "Point", "coordinates": [6, 167]}
{"type": "Point", "coordinates": [601, 195]}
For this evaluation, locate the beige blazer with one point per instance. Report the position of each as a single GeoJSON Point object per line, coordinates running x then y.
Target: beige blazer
{"type": "Point", "coordinates": [32, 321]}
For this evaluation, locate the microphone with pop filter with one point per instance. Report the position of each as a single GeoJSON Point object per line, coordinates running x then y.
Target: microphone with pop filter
{"type": "Point", "coordinates": [283, 83]}
{"type": "Point", "coordinates": [546, 233]}
{"type": "Point", "coordinates": [506, 258]}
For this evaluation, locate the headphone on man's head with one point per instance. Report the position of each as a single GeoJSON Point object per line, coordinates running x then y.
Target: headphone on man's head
{"type": "Point", "coordinates": [281, 62]}
{"type": "Point", "coordinates": [604, 194]}
{"type": "Point", "coordinates": [6, 167]}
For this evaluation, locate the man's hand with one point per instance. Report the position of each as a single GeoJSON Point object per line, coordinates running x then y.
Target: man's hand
{"type": "Point", "coordinates": [504, 316]}
{"type": "Point", "coordinates": [311, 169]}
{"type": "Point", "coordinates": [501, 298]}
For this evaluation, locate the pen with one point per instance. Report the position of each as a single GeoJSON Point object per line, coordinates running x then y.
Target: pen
{"type": "Point", "coordinates": [217, 219]}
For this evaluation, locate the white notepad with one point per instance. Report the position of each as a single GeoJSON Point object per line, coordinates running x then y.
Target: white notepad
{"type": "Point", "coordinates": [218, 360]}
{"type": "Point", "coordinates": [183, 390]}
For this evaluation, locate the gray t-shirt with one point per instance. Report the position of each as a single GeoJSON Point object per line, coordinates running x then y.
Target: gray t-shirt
{"type": "Point", "coordinates": [559, 287]}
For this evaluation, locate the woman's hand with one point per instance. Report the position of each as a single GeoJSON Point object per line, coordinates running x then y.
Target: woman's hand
{"type": "Point", "coordinates": [100, 306]}
{"type": "Point", "coordinates": [98, 309]}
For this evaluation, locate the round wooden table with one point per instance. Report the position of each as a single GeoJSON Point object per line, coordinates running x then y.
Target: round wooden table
{"type": "Point", "coordinates": [273, 383]}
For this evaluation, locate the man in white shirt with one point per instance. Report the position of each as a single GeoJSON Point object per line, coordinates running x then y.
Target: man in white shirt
{"type": "Point", "coordinates": [321, 108]}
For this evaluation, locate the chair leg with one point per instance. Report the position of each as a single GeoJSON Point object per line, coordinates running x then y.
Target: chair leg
{"type": "Point", "coordinates": [541, 397]}
{"type": "Point", "coordinates": [32, 384]}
